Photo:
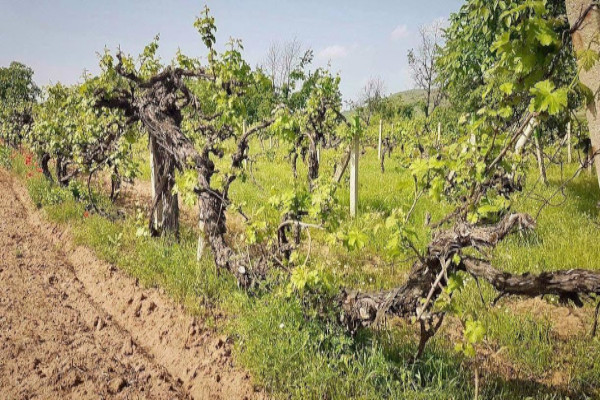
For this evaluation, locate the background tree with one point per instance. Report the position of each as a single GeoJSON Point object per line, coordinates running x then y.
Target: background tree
{"type": "Point", "coordinates": [281, 64]}
{"type": "Point", "coordinates": [421, 62]}
{"type": "Point", "coordinates": [371, 99]}
{"type": "Point", "coordinates": [18, 93]}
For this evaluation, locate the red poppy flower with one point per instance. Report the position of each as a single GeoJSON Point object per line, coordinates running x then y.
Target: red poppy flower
{"type": "Point", "coordinates": [39, 170]}
{"type": "Point", "coordinates": [29, 174]}
{"type": "Point", "coordinates": [86, 214]}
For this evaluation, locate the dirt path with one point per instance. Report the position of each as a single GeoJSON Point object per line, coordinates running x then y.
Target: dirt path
{"type": "Point", "coordinates": [72, 326]}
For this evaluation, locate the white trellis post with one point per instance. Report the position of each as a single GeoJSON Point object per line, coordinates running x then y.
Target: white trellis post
{"type": "Point", "coordinates": [201, 238]}
{"type": "Point", "coordinates": [439, 134]}
{"type": "Point", "coordinates": [379, 146]}
{"type": "Point", "coordinates": [319, 153]}
{"type": "Point", "coordinates": [569, 154]}
{"type": "Point", "coordinates": [243, 133]}
{"type": "Point", "coordinates": [354, 176]}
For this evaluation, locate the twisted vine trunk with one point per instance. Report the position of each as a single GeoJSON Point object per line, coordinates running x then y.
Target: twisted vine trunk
{"type": "Point", "coordinates": [164, 218]}
{"type": "Point", "coordinates": [313, 163]}
{"type": "Point", "coordinates": [115, 186]}
{"type": "Point", "coordinates": [213, 219]}
{"type": "Point", "coordinates": [294, 162]}
{"type": "Point", "coordinates": [427, 277]}
{"type": "Point", "coordinates": [44, 161]}
{"type": "Point", "coordinates": [584, 18]}
{"type": "Point", "coordinates": [61, 172]}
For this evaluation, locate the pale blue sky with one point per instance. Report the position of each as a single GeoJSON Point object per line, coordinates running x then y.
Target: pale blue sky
{"type": "Point", "coordinates": [60, 38]}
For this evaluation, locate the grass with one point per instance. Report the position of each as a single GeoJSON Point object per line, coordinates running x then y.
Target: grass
{"type": "Point", "coordinates": [296, 356]}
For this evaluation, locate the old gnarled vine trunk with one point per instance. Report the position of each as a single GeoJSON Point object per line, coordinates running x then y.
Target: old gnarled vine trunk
{"type": "Point", "coordinates": [313, 163]}
{"type": "Point", "coordinates": [428, 278]}
{"type": "Point", "coordinates": [164, 218]}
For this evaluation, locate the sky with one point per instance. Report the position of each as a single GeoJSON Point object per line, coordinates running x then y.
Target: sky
{"type": "Point", "coordinates": [60, 39]}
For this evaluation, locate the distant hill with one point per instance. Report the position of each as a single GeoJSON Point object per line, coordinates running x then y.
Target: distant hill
{"type": "Point", "coordinates": [409, 96]}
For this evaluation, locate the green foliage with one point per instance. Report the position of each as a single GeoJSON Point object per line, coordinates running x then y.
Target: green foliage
{"type": "Point", "coordinates": [547, 98]}
{"type": "Point", "coordinates": [402, 235]}
{"type": "Point", "coordinates": [46, 194]}
{"type": "Point", "coordinates": [5, 156]}
{"type": "Point", "coordinates": [473, 333]}
{"type": "Point", "coordinates": [205, 25]}
{"type": "Point", "coordinates": [314, 113]}
{"type": "Point", "coordinates": [68, 127]}
{"type": "Point", "coordinates": [315, 281]}
{"type": "Point", "coordinates": [588, 58]}
{"type": "Point", "coordinates": [353, 240]}
{"type": "Point", "coordinates": [18, 94]}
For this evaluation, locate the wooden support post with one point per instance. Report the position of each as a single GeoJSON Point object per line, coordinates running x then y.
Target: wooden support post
{"type": "Point", "coordinates": [569, 153]}
{"type": "Point", "coordinates": [319, 153]}
{"type": "Point", "coordinates": [201, 238]}
{"type": "Point", "coordinates": [354, 176]}
{"type": "Point", "coordinates": [243, 133]}
{"type": "Point", "coordinates": [525, 135]}
{"type": "Point", "coordinates": [540, 159]}
{"type": "Point", "coordinates": [380, 133]}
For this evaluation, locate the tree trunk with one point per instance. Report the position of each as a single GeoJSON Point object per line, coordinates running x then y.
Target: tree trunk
{"type": "Point", "coordinates": [164, 217]}
{"type": "Point", "coordinates": [382, 161]}
{"type": "Point", "coordinates": [212, 212]}
{"type": "Point", "coordinates": [294, 163]}
{"type": "Point", "coordinates": [354, 177]}
{"type": "Point", "coordinates": [61, 171]}
{"type": "Point", "coordinates": [44, 160]}
{"type": "Point", "coordinates": [380, 139]}
{"type": "Point", "coordinates": [569, 151]}
{"type": "Point", "coordinates": [539, 153]}
{"type": "Point", "coordinates": [115, 187]}
{"type": "Point", "coordinates": [524, 137]}
{"type": "Point", "coordinates": [584, 18]}
{"type": "Point", "coordinates": [313, 163]}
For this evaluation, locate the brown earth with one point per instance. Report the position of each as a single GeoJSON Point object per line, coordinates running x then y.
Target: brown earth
{"type": "Point", "coordinates": [72, 326]}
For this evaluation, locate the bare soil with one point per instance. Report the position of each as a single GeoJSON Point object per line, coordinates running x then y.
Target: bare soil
{"type": "Point", "coordinates": [72, 326]}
